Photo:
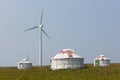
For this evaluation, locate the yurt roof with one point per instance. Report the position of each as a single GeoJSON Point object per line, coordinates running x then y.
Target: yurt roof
{"type": "Point", "coordinates": [66, 53]}
{"type": "Point", "coordinates": [101, 57]}
{"type": "Point", "coordinates": [24, 61]}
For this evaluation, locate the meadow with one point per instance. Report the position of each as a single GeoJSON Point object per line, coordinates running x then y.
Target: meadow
{"type": "Point", "coordinates": [89, 72]}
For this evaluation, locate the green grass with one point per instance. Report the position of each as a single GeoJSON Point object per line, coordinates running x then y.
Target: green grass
{"type": "Point", "coordinates": [45, 73]}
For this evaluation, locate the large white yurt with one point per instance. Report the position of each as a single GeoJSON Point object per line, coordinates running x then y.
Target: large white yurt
{"type": "Point", "coordinates": [66, 59]}
{"type": "Point", "coordinates": [24, 64]}
{"type": "Point", "coordinates": [101, 60]}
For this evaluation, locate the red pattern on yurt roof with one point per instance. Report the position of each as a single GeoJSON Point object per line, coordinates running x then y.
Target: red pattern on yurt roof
{"type": "Point", "coordinates": [69, 52]}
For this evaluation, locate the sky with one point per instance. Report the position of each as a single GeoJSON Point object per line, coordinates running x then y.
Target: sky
{"type": "Point", "coordinates": [90, 27]}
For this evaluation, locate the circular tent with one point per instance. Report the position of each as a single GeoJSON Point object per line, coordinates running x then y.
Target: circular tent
{"type": "Point", "coordinates": [101, 60]}
{"type": "Point", "coordinates": [66, 59]}
{"type": "Point", "coordinates": [24, 64]}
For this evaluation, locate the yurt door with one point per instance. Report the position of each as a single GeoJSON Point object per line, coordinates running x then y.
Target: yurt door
{"type": "Point", "coordinates": [97, 62]}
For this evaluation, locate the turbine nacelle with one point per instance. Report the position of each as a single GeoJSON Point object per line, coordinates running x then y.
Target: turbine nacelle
{"type": "Point", "coordinates": [41, 26]}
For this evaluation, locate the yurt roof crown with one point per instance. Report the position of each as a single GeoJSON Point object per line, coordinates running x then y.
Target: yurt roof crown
{"type": "Point", "coordinates": [101, 57]}
{"type": "Point", "coordinates": [25, 61]}
{"type": "Point", "coordinates": [66, 53]}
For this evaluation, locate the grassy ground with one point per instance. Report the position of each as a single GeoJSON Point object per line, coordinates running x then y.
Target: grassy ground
{"type": "Point", "coordinates": [45, 73]}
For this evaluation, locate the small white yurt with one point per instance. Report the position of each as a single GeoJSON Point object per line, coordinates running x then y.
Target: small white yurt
{"type": "Point", "coordinates": [66, 59]}
{"type": "Point", "coordinates": [101, 60]}
{"type": "Point", "coordinates": [24, 64]}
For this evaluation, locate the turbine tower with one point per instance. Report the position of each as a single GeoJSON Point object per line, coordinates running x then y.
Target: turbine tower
{"type": "Point", "coordinates": [41, 30]}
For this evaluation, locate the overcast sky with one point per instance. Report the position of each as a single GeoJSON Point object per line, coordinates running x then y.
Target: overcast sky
{"type": "Point", "coordinates": [90, 27]}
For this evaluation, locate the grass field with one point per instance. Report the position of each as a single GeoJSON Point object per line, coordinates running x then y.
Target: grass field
{"type": "Point", "coordinates": [45, 73]}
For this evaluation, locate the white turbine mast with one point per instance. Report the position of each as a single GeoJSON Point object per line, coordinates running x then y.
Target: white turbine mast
{"type": "Point", "coordinates": [41, 30]}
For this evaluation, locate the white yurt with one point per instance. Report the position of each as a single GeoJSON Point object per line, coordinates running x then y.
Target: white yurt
{"type": "Point", "coordinates": [101, 60]}
{"type": "Point", "coordinates": [24, 64]}
{"type": "Point", "coordinates": [66, 59]}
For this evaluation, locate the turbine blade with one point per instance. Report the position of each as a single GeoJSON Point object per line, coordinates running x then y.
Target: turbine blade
{"type": "Point", "coordinates": [45, 33]}
{"type": "Point", "coordinates": [31, 28]}
{"type": "Point", "coordinates": [41, 17]}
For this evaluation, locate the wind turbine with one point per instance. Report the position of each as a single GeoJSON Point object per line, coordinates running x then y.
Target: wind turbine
{"type": "Point", "coordinates": [41, 30]}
